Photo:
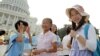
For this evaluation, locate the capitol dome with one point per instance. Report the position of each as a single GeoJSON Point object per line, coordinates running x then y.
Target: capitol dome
{"type": "Point", "coordinates": [20, 6]}
{"type": "Point", "coordinates": [11, 11]}
{"type": "Point", "coordinates": [14, 10]}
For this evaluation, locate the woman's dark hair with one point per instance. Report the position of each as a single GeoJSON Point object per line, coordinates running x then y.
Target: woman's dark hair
{"type": "Point", "coordinates": [18, 23]}
{"type": "Point", "coordinates": [82, 22]}
{"type": "Point", "coordinates": [68, 30]}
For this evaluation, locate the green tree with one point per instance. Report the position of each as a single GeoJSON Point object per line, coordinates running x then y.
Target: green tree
{"type": "Point", "coordinates": [62, 32]}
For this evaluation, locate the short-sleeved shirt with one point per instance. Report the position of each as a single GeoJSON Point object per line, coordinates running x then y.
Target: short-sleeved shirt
{"type": "Point", "coordinates": [90, 42]}
{"type": "Point", "coordinates": [65, 40]}
{"type": "Point", "coordinates": [45, 42]}
{"type": "Point", "coordinates": [15, 48]}
{"type": "Point", "coordinates": [58, 41]}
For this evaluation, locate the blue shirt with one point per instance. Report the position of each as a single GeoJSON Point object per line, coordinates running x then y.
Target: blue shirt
{"type": "Point", "coordinates": [34, 40]}
{"type": "Point", "coordinates": [15, 48]}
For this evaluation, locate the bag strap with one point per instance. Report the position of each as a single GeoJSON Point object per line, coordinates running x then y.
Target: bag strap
{"type": "Point", "coordinates": [86, 30]}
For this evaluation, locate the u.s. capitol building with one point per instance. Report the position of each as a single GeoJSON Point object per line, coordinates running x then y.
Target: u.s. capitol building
{"type": "Point", "coordinates": [13, 10]}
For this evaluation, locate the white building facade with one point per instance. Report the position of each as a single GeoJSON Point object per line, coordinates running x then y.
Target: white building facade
{"type": "Point", "coordinates": [13, 10]}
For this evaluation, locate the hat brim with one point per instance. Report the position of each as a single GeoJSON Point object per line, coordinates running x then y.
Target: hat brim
{"type": "Point", "coordinates": [82, 13]}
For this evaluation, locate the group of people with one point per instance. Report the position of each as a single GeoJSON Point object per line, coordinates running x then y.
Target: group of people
{"type": "Point", "coordinates": [75, 43]}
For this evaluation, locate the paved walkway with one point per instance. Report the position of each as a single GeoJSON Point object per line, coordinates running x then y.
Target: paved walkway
{"type": "Point", "coordinates": [2, 49]}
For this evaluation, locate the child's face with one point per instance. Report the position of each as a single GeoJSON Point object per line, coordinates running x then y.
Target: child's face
{"type": "Point", "coordinates": [46, 25]}
{"type": "Point", "coordinates": [24, 29]}
{"type": "Point", "coordinates": [53, 28]}
{"type": "Point", "coordinates": [75, 16]}
{"type": "Point", "coordinates": [22, 26]}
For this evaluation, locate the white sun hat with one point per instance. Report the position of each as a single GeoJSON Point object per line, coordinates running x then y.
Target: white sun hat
{"type": "Point", "coordinates": [79, 8]}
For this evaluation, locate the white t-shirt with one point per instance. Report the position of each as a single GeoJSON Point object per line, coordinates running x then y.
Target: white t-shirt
{"type": "Point", "coordinates": [65, 40]}
{"type": "Point", "coordinates": [91, 41]}
{"type": "Point", "coordinates": [45, 42]}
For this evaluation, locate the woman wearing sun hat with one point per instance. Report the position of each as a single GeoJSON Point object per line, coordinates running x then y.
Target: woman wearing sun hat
{"type": "Point", "coordinates": [79, 44]}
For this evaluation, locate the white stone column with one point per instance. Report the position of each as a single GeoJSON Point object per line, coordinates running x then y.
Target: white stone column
{"type": "Point", "coordinates": [7, 7]}
{"type": "Point", "coordinates": [12, 7]}
{"type": "Point", "coordinates": [8, 21]}
{"type": "Point", "coordinates": [2, 17]}
{"type": "Point", "coordinates": [16, 9]}
{"type": "Point", "coordinates": [14, 21]}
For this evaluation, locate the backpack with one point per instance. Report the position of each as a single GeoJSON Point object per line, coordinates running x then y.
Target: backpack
{"type": "Point", "coordinates": [97, 51]}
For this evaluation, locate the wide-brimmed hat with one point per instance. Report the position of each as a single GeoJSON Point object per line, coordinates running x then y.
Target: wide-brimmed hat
{"type": "Point", "coordinates": [79, 8]}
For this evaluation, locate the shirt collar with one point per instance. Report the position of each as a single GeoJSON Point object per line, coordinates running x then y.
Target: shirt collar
{"type": "Point", "coordinates": [46, 33]}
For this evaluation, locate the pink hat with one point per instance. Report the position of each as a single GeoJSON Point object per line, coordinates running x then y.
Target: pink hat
{"type": "Point", "coordinates": [79, 9]}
